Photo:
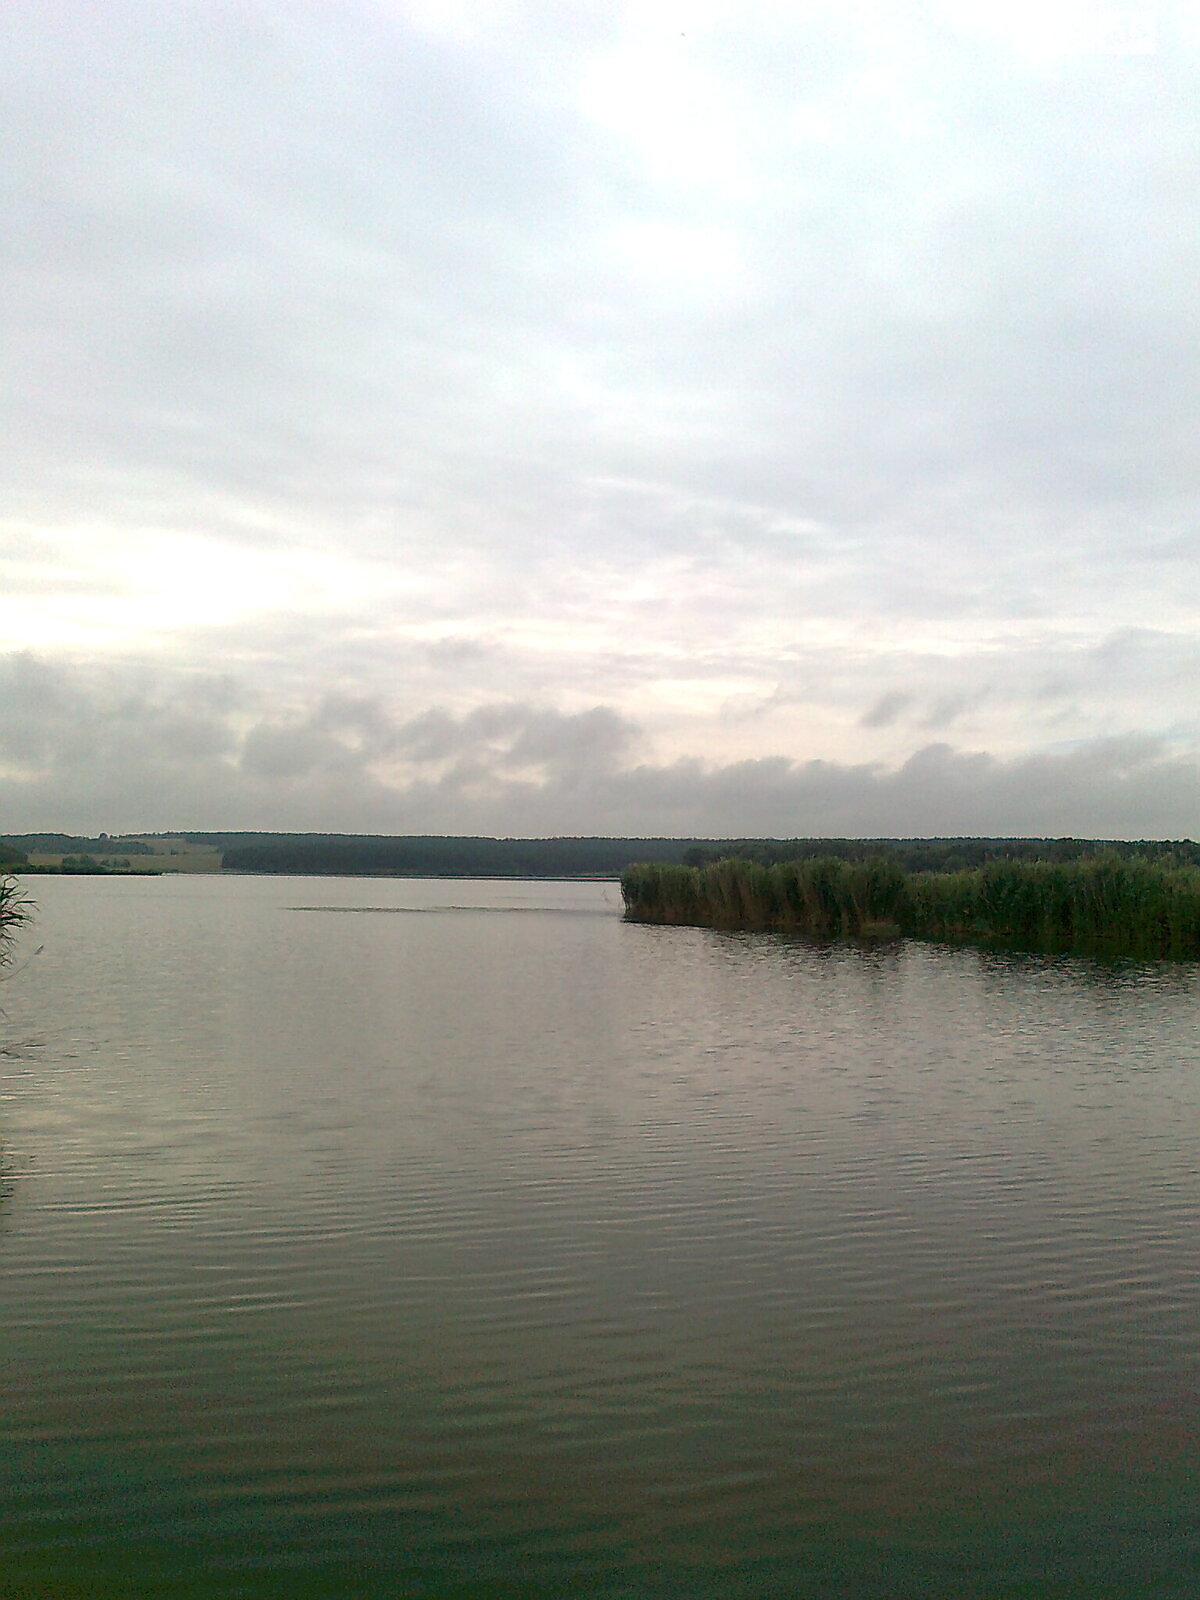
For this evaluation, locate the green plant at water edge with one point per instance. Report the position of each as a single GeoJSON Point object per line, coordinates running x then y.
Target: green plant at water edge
{"type": "Point", "coordinates": [1107, 903]}
{"type": "Point", "coordinates": [14, 910]}
{"type": "Point", "coordinates": [1123, 906]}
{"type": "Point", "coordinates": [822, 896]}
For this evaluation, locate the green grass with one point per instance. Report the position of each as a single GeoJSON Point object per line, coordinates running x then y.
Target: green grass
{"type": "Point", "coordinates": [1104, 904]}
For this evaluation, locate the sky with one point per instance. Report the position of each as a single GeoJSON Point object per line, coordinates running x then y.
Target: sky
{"type": "Point", "coordinates": [523, 419]}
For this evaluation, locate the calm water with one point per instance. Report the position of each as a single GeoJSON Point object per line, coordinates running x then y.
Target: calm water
{"type": "Point", "coordinates": [371, 1238]}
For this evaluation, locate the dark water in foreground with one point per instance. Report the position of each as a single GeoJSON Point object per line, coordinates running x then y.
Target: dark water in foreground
{"type": "Point", "coordinates": [483, 1245]}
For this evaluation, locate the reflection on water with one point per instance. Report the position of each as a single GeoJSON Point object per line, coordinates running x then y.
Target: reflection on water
{"type": "Point", "coordinates": [542, 1254]}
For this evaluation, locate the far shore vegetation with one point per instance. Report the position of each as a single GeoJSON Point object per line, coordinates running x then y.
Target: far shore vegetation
{"type": "Point", "coordinates": [1138, 897]}
{"type": "Point", "coordinates": [1117, 902]}
{"type": "Point", "coordinates": [447, 856]}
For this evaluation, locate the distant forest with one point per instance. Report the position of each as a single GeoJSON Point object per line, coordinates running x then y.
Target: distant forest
{"type": "Point", "coordinates": [432, 855]}
{"type": "Point", "coordinates": [435, 856]}
{"type": "Point", "coordinates": [940, 855]}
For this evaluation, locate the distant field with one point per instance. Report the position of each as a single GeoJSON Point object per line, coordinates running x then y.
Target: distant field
{"type": "Point", "coordinates": [159, 855]}
{"type": "Point", "coordinates": [177, 855]}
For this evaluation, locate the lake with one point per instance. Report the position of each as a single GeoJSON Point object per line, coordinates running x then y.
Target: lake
{"type": "Point", "coordinates": [405, 1238]}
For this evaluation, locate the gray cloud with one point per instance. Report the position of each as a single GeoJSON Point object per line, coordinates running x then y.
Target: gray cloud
{"type": "Point", "coordinates": [210, 756]}
{"type": "Point", "coordinates": [886, 709]}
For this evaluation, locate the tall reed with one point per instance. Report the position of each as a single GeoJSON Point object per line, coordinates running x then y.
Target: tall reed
{"type": "Point", "coordinates": [822, 896]}
{"type": "Point", "coordinates": [13, 912]}
{"type": "Point", "coordinates": [1104, 903]}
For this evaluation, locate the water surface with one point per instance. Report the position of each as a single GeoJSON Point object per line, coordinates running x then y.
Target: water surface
{"type": "Point", "coordinates": [381, 1238]}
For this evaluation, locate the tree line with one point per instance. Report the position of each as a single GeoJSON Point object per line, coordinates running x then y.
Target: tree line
{"type": "Point", "coordinates": [436, 855]}
{"type": "Point", "coordinates": [430, 855]}
{"type": "Point", "coordinates": [941, 855]}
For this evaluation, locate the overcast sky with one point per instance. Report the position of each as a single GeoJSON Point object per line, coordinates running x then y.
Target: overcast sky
{"type": "Point", "coordinates": [574, 418]}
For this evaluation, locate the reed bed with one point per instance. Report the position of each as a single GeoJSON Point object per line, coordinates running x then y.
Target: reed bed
{"type": "Point", "coordinates": [1104, 904]}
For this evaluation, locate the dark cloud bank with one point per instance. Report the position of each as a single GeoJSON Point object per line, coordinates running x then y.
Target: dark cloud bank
{"type": "Point", "coordinates": [82, 751]}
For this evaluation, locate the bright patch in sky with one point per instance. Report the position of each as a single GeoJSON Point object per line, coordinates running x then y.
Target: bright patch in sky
{"type": "Point", "coordinates": [1057, 29]}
